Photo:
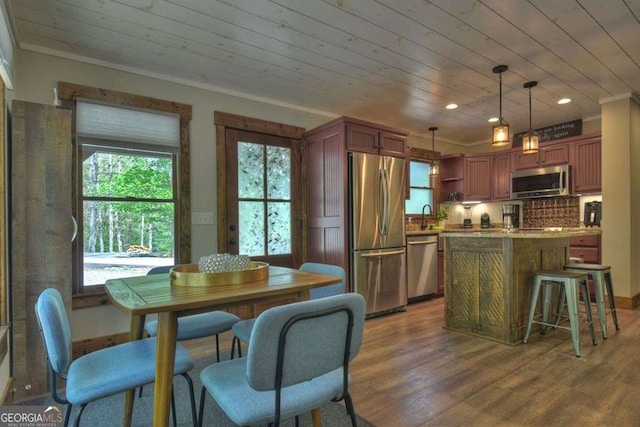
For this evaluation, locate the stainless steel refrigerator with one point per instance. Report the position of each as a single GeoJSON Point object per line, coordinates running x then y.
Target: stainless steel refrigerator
{"type": "Point", "coordinates": [377, 235]}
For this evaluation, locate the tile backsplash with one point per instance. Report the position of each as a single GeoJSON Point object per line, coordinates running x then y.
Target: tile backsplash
{"type": "Point", "coordinates": [551, 212]}
{"type": "Point", "coordinates": [535, 213]}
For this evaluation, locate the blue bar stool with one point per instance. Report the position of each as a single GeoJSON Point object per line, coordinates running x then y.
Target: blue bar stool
{"type": "Point", "coordinates": [569, 282]}
{"type": "Point", "coordinates": [601, 275]}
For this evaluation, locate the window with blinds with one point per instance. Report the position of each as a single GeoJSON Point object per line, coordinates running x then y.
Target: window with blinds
{"type": "Point", "coordinates": [127, 181]}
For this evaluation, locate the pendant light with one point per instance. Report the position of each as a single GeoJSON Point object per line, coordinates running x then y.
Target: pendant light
{"type": "Point", "coordinates": [435, 167]}
{"type": "Point", "coordinates": [530, 139]}
{"type": "Point", "coordinates": [500, 130]}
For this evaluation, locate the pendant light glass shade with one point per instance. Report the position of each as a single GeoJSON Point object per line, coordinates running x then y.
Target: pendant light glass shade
{"type": "Point", "coordinates": [530, 140]}
{"type": "Point", "coordinates": [435, 166]}
{"type": "Point", "coordinates": [500, 135]}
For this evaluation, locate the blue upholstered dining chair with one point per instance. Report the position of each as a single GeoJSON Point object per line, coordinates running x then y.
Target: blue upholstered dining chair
{"type": "Point", "coordinates": [101, 373]}
{"type": "Point", "coordinates": [242, 330]}
{"type": "Point", "coordinates": [197, 325]}
{"type": "Point", "coordinates": [298, 359]}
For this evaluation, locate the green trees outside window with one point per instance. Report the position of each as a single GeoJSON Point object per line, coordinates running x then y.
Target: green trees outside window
{"type": "Point", "coordinates": [128, 213]}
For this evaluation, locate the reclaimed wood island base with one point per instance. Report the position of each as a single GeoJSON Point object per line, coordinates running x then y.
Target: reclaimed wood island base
{"type": "Point", "coordinates": [489, 275]}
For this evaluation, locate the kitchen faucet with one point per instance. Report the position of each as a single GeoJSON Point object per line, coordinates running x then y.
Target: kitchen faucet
{"type": "Point", "coordinates": [423, 223]}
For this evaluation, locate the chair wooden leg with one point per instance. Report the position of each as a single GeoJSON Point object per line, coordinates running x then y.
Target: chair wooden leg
{"type": "Point", "coordinates": [316, 417]}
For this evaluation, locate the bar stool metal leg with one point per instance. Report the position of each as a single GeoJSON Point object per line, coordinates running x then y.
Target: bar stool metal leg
{"type": "Point", "coordinates": [547, 295]}
{"type": "Point", "coordinates": [599, 290]}
{"type": "Point", "coordinates": [532, 309]}
{"type": "Point", "coordinates": [612, 303]}
{"type": "Point", "coordinates": [572, 308]}
{"type": "Point", "coordinates": [587, 305]}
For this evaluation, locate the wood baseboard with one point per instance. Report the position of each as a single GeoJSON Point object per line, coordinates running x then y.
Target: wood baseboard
{"type": "Point", "coordinates": [92, 344]}
{"type": "Point", "coordinates": [628, 303]}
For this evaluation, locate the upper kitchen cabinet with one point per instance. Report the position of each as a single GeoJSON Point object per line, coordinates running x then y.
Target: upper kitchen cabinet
{"type": "Point", "coordinates": [553, 154]}
{"type": "Point", "coordinates": [451, 177]}
{"type": "Point", "coordinates": [376, 140]}
{"type": "Point", "coordinates": [587, 165]}
{"type": "Point", "coordinates": [477, 178]}
{"type": "Point", "coordinates": [501, 184]}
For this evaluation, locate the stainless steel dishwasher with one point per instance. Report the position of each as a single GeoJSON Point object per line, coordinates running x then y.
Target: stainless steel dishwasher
{"type": "Point", "coordinates": [422, 266]}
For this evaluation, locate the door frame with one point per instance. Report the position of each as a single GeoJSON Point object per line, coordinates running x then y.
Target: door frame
{"type": "Point", "coordinates": [224, 121]}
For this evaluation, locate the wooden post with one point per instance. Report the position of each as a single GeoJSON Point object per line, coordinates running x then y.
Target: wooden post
{"type": "Point", "coordinates": [41, 229]}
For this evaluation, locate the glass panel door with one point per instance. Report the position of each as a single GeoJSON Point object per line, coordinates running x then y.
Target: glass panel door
{"type": "Point", "coordinates": [263, 208]}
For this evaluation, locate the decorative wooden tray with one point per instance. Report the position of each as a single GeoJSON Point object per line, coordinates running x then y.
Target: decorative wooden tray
{"type": "Point", "coordinates": [189, 275]}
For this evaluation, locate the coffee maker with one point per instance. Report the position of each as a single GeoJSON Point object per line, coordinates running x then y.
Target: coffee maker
{"type": "Point", "coordinates": [510, 216]}
{"type": "Point", "coordinates": [592, 214]}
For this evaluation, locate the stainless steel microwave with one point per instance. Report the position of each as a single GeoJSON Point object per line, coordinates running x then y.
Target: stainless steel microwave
{"type": "Point", "coordinates": [541, 182]}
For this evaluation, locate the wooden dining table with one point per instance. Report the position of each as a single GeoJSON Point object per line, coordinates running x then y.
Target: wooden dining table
{"type": "Point", "coordinates": [139, 296]}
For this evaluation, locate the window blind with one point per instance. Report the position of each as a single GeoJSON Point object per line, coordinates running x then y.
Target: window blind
{"type": "Point", "coordinates": [127, 128]}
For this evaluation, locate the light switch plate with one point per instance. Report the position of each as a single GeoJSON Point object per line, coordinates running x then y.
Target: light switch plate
{"type": "Point", "coordinates": [201, 218]}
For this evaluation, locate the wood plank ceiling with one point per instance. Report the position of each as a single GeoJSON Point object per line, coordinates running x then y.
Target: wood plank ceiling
{"type": "Point", "coordinates": [397, 62]}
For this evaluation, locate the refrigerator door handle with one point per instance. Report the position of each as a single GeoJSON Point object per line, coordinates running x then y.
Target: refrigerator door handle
{"type": "Point", "coordinates": [380, 204]}
{"type": "Point", "coordinates": [381, 254]}
{"type": "Point", "coordinates": [384, 198]}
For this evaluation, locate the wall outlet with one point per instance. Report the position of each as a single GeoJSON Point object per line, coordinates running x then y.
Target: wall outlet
{"type": "Point", "coordinates": [201, 218]}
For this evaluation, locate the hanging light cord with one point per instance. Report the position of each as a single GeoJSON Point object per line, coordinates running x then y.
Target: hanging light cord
{"type": "Point", "coordinates": [433, 138]}
{"type": "Point", "coordinates": [530, 112]}
{"type": "Point", "coordinates": [500, 96]}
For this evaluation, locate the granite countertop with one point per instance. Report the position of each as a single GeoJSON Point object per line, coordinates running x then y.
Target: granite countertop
{"type": "Point", "coordinates": [520, 233]}
{"type": "Point", "coordinates": [426, 232]}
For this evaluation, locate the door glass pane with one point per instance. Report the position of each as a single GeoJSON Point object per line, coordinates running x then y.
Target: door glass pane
{"type": "Point", "coordinates": [279, 228]}
{"type": "Point", "coordinates": [250, 170]}
{"type": "Point", "coordinates": [251, 228]}
{"type": "Point", "coordinates": [278, 173]}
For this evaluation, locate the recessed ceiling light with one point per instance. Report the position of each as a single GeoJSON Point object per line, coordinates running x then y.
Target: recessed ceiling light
{"type": "Point", "coordinates": [493, 119]}
{"type": "Point", "coordinates": [452, 106]}
{"type": "Point", "coordinates": [564, 101]}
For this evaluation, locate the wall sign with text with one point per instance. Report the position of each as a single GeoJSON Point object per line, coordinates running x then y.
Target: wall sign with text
{"type": "Point", "coordinates": [552, 133]}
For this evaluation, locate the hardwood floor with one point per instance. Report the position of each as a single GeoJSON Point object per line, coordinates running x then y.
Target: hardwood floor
{"type": "Point", "coordinates": [412, 372]}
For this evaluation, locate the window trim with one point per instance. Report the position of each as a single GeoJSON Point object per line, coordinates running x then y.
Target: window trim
{"type": "Point", "coordinates": [69, 93]}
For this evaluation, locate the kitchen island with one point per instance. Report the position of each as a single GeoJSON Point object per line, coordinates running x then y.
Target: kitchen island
{"type": "Point", "coordinates": [489, 275]}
